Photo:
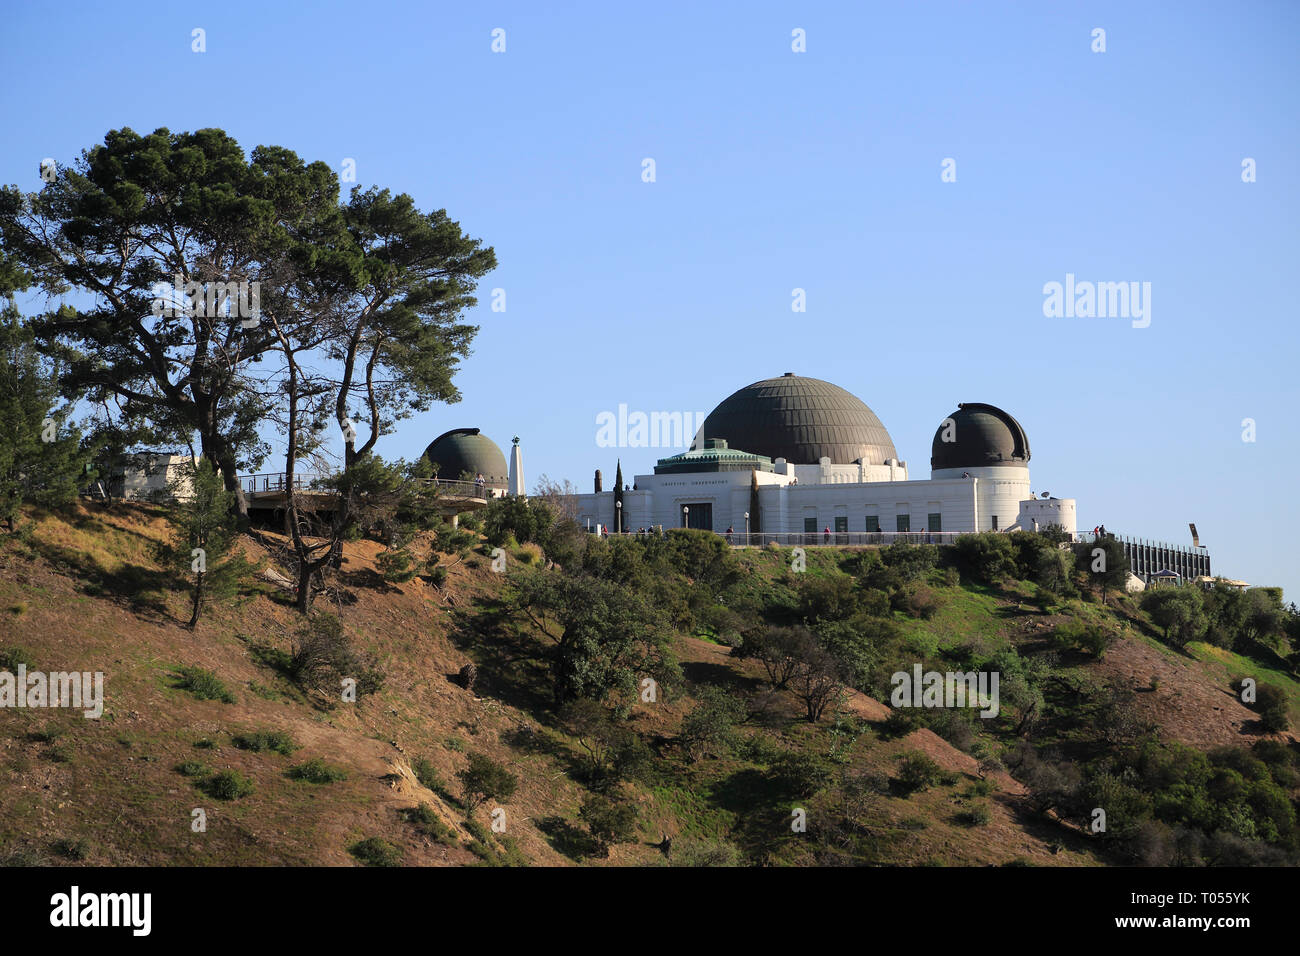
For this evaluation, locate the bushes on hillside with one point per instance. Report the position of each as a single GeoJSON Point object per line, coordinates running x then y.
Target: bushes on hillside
{"type": "Point", "coordinates": [608, 821]}
{"type": "Point", "coordinates": [323, 657]}
{"type": "Point", "coordinates": [917, 771]}
{"type": "Point", "coordinates": [1179, 611]}
{"type": "Point", "coordinates": [708, 729]}
{"type": "Point", "coordinates": [203, 684]}
{"type": "Point", "coordinates": [1273, 705]}
{"type": "Point", "coordinates": [1091, 637]}
{"type": "Point", "coordinates": [988, 556]}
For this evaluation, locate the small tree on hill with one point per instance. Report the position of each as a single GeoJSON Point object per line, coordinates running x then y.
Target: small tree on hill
{"type": "Point", "coordinates": [206, 533]}
{"type": "Point", "coordinates": [485, 779]}
{"type": "Point", "coordinates": [608, 821]}
{"type": "Point", "coordinates": [1104, 564]}
{"type": "Point", "coordinates": [1180, 611]}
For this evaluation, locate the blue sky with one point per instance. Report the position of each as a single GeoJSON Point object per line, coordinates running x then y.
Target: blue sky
{"type": "Point", "coordinates": [778, 170]}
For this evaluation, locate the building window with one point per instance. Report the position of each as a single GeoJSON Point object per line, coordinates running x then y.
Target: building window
{"type": "Point", "coordinates": [810, 525]}
{"type": "Point", "coordinates": [873, 523]}
{"type": "Point", "coordinates": [934, 522]}
{"type": "Point", "coordinates": [994, 524]}
{"type": "Point", "coordinates": [904, 523]}
{"type": "Point", "coordinates": [841, 524]}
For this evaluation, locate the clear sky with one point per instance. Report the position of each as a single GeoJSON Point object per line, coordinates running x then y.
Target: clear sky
{"type": "Point", "coordinates": [777, 170]}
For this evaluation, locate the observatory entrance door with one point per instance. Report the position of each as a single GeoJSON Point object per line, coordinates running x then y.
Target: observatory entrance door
{"type": "Point", "coordinates": [700, 515]}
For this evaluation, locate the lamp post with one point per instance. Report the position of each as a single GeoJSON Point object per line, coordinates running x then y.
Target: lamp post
{"type": "Point", "coordinates": [686, 517]}
{"type": "Point", "coordinates": [618, 517]}
{"type": "Point", "coordinates": [746, 527]}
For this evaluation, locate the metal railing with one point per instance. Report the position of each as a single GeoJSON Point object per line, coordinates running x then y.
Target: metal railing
{"type": "Point", "coordinates": [279, 481]}
{"type": "Point", "coordinates": [804, 539]}
{"type": "Point", "coordinates": [307, 481]}
{"type": "Point", "coordinates": [461, 489]}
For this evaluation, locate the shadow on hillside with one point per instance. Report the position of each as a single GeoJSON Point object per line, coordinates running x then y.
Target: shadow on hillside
{"type": "Point", "coordinates": [369, 579]}
{"type": "Point", "coordinates": [568, 840]}
{"type": "Point", "coordinates": [1054, 834]}
{"type": "Point", "coordinates": [721, 675]}
{"type": "Point", "coordinates": [511, 666]}
{"type": "Point", "coordinates": [761, 805]}
{"type": "Point", "coordinates": [142, 589]}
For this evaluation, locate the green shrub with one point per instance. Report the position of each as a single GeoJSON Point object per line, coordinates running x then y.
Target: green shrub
{"type": "Point", "coordinates": [427, 821]}
{"type": "Point", "coordinates": [708, 728]}
{"type": "Point", "coordinates": [977, 815]}
{"type": "Point", "coordinates": [988, 556]}
{"type": "Point", "coordinates": [608, 821]}
{"type": "Point", "coordinates": [376, 851]}
{"type": "Point", "coordinates": [699, 853]}
{"type": "Point", "coordinates": [918, 772]}
{"type": "Point", "coordinates": [193, 768]}
{"type": "Point", "coordinates": [203, 684]}
{"type": "Point", "coordinates": [801, 774]}
{"type": "Point", "coordinates": [12, 657]}
{"type": "Point", "coordinates": [900, 722]}
{"type": "Point", "coordinates": [427, 776]}
{"type": "Point", "coordinates": [259, 741]}
{"type": "Point", "coordinates": [317, 770]}
{"type": "Point", "coordinates": [229, 785]}
{"type": "Point", "coordinates": [1273, 706]}
{"type": "Point", "coordinates": [71, 849]}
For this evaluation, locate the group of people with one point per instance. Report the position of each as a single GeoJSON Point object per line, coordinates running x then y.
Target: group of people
{"type": "Point", "coordinates": [1099, 532]}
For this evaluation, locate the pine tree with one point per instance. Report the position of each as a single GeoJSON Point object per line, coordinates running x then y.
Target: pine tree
{"type": "Point", "coordinates": [618, 497]}
{"type": "Point", "coordinates": [206, 534]}
{"type": "Point", "coordinates": [41, 461]}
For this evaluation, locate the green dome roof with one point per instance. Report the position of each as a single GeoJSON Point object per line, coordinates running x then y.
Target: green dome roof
{"type": "Point", "coordinates": [467, 450]}
{"type": "Point", "coordinates": [801, 420]}
{"type": "Point", "coordinates": [714, 456]}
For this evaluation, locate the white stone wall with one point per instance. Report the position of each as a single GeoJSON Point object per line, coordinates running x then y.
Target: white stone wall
{"type": "Point", "coordinates": [149, 476]}
{"type": "Point", "coordinates": [784, 504]}
{"type": "Point", "coordinates": [999, 491]}
{"type": "Point", "coordinates": [1048, 511]}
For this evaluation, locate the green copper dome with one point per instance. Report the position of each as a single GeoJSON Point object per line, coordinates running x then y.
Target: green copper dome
{"type": "Point", "coordinates": [464, 451]}
{"type": "Point", "coordinates": [801, 420]}
{"type": "Point", "coordinates": [714, 456]}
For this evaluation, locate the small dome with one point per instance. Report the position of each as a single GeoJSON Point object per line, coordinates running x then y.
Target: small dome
{"type": "Point", "coordinates": [464, 451]}
{"type": "Point", "coordinates": [979, 435]}
{"type": "Point", "coordinates": [801, 420]}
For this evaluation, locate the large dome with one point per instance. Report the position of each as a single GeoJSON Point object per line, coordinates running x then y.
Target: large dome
{"type": "Point", "coordinates": [980, 435]}
{"type": "Point", "coordinates": [465, 450]}
{"type": "Point", "coordinates": [801, 420]}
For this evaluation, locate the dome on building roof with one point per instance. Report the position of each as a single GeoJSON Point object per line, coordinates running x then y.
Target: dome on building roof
{"type": "Point", "coordinates": [801, 420]}
{"type": "Point", "coordinates": [467, 451]}
{"type": "Point", "coordinates": [980, 435]}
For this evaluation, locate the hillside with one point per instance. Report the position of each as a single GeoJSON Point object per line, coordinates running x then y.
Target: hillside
{"type": "Point", "coordinates": [81, 589]}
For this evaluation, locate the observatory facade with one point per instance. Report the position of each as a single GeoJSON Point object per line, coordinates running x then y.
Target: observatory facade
{"type": "Point", "coordinates": [800, 455]}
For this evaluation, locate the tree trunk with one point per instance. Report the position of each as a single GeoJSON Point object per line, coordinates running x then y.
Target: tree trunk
{"type": "Point", "coordinates": [198, 601]}
{"type": "Point", "coordinates": [305, 572]}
